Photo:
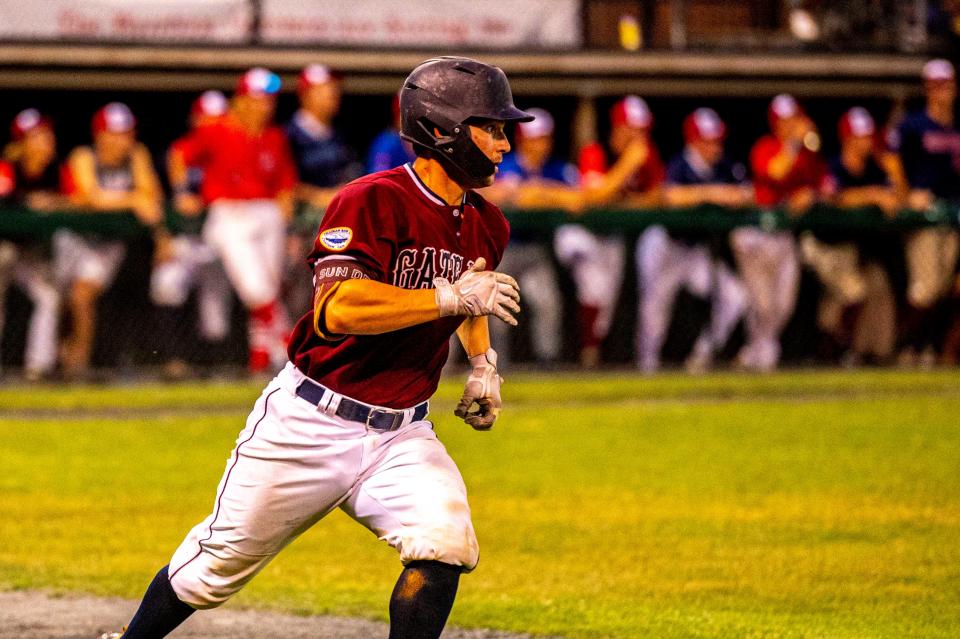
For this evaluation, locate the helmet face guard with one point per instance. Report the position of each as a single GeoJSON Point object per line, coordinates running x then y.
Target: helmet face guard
{"type": "Point", "coordinates": [438, 101]}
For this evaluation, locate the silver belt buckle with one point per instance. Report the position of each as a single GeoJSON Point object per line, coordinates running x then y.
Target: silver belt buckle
{"type": "Point", "coordinates": [393, 426]}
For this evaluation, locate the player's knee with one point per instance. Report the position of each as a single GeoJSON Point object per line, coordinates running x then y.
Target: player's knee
{"type": "Point", "coordinates": [922, 294]}
{"type": "Point", "coordinates": [209, 583]}
{"type": "Point", "coordinates": [453, 544]}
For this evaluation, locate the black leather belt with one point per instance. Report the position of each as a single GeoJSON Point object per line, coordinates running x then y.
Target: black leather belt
{"type": "Point", "coordinates": [384, 419]}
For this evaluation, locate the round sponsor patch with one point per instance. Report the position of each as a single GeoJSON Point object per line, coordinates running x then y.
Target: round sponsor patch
{"type": "Point", "coordinates": [337, 239]}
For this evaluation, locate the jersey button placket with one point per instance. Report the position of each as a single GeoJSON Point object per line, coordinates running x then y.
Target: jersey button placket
{"type": "Point", "coordinates": [458, 221]}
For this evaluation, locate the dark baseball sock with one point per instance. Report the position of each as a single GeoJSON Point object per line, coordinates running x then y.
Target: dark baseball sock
{"type": "Point", "coordinates": [422, 599]}
{"type": "Point", "coordinates": [160, 611]}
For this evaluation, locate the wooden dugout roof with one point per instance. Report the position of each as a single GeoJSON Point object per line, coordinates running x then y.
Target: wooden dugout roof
{"type": "Point", "coordinates": [586, 74]}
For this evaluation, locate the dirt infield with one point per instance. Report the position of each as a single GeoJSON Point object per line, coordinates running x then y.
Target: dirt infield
{"type": "Point", "coordinates": [32, 615]}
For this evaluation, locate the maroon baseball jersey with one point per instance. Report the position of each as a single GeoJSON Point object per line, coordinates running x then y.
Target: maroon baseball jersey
{"type": "Point", "coordinates": [390, 227]}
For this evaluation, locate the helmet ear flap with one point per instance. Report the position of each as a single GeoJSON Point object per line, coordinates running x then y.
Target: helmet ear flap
{"type": "Point", "coordinates": [438, 135]}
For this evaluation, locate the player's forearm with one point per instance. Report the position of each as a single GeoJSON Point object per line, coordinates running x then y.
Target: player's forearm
{"type": "Point", "coordinates": [781, 164]}
{"type": "Point", "coordinates": [863, 196]}
{"type": "Point", "coordinates": [474, 334]}
{"type": "Point", "coordinates": [366, 307]}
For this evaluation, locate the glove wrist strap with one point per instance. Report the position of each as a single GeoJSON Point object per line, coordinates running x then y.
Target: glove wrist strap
{"type": "Point", "coordinates": [488, 358]}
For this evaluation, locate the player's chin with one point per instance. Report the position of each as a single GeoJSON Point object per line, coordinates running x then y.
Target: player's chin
{"type": "Point", "coordinates": [487, 181]}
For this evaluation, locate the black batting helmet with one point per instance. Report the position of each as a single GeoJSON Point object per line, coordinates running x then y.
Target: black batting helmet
{"type": "Point", "coordinates": [443, 95]}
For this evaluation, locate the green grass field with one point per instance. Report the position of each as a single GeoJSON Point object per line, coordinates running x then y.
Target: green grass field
{"type": "Point", "coordinates": [795, 505]}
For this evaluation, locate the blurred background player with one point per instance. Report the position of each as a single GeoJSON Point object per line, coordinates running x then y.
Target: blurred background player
{"type": "Point", "coordinates": [787, 172]}
{"type": "Point", "coordinates": [324, 163]}
{"type": "Point", "coordinates": [115, 174]}
{"type": "Point", "coordinates": [191, 262]}
{"type": "Point", "coordinates": [700, 174]}
{"type": "Point", "coordinates": [597, 261]}
{"type": "Point", "coordinates": [531, 177]}
{"type": "Point", "coordinates": [323, 159]}
{"type": "Point", "coordinates": [857, 308]}
{"type": "Point", "coordinates": [929, 146]}
{"type": "Point", "coordinates": [388, 150]}
{"type": "Point", "coordinates": [248, 185]}
{"type": "Point", "coordinates": [34, 182]}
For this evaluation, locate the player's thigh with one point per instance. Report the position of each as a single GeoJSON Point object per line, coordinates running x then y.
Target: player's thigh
{"type": "Point", "coordinates": [416, 501]}
{"type": "Point", "coordinates": [290, 466]}
{"type": "Point", "coordinates": [232, 230]}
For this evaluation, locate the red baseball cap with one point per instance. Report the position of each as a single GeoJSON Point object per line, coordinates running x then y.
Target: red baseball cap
{"type": "Point", "coordinates": [258, 81]}
{"type": "Point", "coordinates": [314, 74]}
{"type": "Point", "coordinates": [209, 103]}
{"type": "Point", "coordinates": [704, 124]}
{"type": "Point", "coordinates": [631, 111]}
{"type": "Point", "coordinates": [783, 107]}
{"type": "Point", "coordinates": [115, 117]}
{"type": "Point", "coordinates": [539, 127]}
{"type": "Point", "coordinates": [26, 121]}
{"type": "Point", "coordinates": [857, 122]}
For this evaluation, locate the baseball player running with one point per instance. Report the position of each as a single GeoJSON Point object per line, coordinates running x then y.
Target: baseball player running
{"type": "Point", "coordinates": [249, 180]}
{"type": "Point", "coordinates": [400, 264]}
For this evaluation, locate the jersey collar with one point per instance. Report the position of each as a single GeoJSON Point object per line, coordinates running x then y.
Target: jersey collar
{"type": "Point", "coordinates": [430, 195]}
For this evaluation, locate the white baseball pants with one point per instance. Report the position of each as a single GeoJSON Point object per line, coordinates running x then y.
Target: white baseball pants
{"type": "Point", "coordinates": [32, 273]}
{"type": "Point", "coordinates": [596, 263]}
{"type": "Point", "coordinates": [770, 267]}
{"type": "Point", "coordinates": [194, 264]}
{"type": "Point", "coordinates": [931, 261]}
{"type": "Point", "coordinates": [664, 266]}
{"type": "Point", "coordinates": [248, 236]}
{"type": "Point", "coordinates": [530, 265]}
{"type": "Point", "coordinates": [84, 259]}
{"type": "Point", "coordinates": [296, 462]}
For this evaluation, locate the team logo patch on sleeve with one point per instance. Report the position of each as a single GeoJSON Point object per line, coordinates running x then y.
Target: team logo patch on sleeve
{"type": "Point", "coordinates": [337, 239]}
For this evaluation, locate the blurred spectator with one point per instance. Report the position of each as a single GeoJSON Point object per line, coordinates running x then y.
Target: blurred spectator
{"type": "Point", "coordinates": [857, 308]}
{"type": "Point", "coordinates": [33, 181]}
{"type": "Point", "coordinates": [248, 184]}
{"type": "Point", "coordinates": [525, 175]}
{"type": "Point", "coordinates": [787, 172]}
{"type": "Point", "coordinates": [700, 174]}
{"type": "Point", "coordinates": [388, 150]}
{"type": "Point", "coordinates": [191, 263]}
{"type": "Point", "coordinates": [323, 160]}
{"type": "Point", "coordinates": [115, 174]}
{"type": "Point", "coordinates": [929, 146]}
{"type": "Point", "coordinates": [597, 261]}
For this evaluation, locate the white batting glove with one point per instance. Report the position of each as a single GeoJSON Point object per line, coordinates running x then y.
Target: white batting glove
{"type": "Point", "coordinates": [482, 389]}
{"type": "Point", "coordinates": [479, 292]}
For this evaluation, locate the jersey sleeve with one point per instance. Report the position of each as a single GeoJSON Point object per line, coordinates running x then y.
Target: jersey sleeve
{"type": "Point", "coordinates": [7, 179]}
{"type": "Point", "coordinates": [195, 145]}
{"type": "Point", "coordinates": [763, 151]}
{"type": "Point", "coordinates": [358, 226]}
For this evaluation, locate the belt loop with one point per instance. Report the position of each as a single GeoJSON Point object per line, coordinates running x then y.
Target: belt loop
{"type": "Point", "coordinates": [331, 402]}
